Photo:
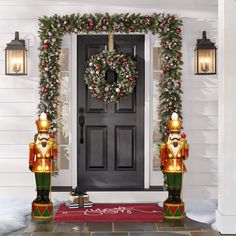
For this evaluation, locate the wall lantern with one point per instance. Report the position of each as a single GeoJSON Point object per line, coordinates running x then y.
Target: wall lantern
{"type": "Point", "coordinates": [205, 56]}
{"type": "Point", "coordinates": [16, 57]}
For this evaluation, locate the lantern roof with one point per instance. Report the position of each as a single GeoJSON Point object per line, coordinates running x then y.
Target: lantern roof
{"type": "Point", "coordinates": [16, 44]}
{"type": "Point", "coordinates": [205, 43]}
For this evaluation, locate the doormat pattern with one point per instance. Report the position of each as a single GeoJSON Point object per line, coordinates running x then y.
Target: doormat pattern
{"type": "Point", "coordinates": [111, 213]}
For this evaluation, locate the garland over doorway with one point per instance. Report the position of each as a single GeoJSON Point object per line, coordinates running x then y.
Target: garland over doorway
{"type": "Point", "coordinates": [52, 29]}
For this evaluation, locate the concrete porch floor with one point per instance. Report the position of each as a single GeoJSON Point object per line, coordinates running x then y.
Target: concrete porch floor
{"type": "Point", "coordinates": [167, 228]}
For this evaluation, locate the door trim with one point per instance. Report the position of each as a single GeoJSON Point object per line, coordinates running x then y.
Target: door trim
{"type": "Point", "coordinates": [147, 111]}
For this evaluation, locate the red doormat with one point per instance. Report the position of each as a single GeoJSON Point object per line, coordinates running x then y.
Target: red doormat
{"type": "Point", "coordinates": [110, 213]}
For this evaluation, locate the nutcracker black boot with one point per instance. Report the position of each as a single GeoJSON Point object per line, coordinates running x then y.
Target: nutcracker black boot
{"type": "Point", "coordinates": [170, 197]}
{"type": "Point", "coordinates": [46, 196]}
{"type": "Point", "coordinates": [38, 198]}
{"type": "Point", "coordinates": [41, 196]}
{"type": "Point", "coordinates": [177, 196]}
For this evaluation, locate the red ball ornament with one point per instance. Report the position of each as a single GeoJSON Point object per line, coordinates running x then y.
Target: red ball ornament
{"type": "Point", "coordinates": [168, 69]}
{"type": "Point", "coordinates": [125, 59]}
{"type": "Point", "coordinates": [97, 67]}
{"type": "Point", "coordinates": [122, 94]}
{"type": "Point", "coordinates": [178, 30]}
{"type": "Point", "coordinates": [131, 78]}
{"type": "Point", "coordinates": [91, 24]}
{"type": "Point", "coordinates": [99, 98]}
{"type": "Point", "coordinates": [45, 90]}
{"type": "Point", "coordinates": [51, 135]}
{"type": "Point", "coordinates": [104, 27]}
{"type": "Point", "coordinates": [118, 62]}
{"type": "Point", "coordinates": [183, 135]}
{"type": "Point", "coordinates": [46, 45]}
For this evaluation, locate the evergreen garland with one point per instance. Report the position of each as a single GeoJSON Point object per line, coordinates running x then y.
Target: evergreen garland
{"type": "Point", "coordinates": [52, 29]}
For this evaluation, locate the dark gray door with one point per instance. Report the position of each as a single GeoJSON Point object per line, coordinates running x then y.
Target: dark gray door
{"type": "Point", "coordinates": [112, 154]}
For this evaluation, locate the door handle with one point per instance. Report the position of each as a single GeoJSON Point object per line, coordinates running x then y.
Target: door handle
{"type": "Point", "coordinates": [81, 123]}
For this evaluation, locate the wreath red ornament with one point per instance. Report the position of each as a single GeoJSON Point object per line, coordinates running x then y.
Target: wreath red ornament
{"type": "Point", "coordinates": [95, 76]}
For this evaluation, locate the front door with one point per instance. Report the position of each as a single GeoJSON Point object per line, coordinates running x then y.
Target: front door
{"type": "Point", "coordinates": [111, 155]}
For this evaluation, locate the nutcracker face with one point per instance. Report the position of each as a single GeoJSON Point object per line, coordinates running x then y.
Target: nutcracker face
{"type": "Point", "coordinates": [43, 138]}
{"type": "Point", "coordinates": [174, 137]}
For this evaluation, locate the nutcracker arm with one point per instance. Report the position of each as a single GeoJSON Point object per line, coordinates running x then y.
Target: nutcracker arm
{"type": "Point", "coordinates": [186, 150]}
{"type": "Point", "coordinates": [162, 154]}
{"type": "Point", "coordinates": [31, 154]}
{"type": "Point", "coordinates": [54, 151]}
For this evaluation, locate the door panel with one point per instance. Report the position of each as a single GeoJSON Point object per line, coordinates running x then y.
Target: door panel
{"type": "Point", "coordinates": [112, 155]}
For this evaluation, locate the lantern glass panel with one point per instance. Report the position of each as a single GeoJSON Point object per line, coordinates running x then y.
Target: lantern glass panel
{"type": "Point", "coordinates": [205, 61]}
{"type": "Point", "coordinates": [16, 62]}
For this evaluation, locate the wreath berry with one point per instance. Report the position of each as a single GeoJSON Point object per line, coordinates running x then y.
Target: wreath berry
{"type": "Point", "coordinates": [95, 76]}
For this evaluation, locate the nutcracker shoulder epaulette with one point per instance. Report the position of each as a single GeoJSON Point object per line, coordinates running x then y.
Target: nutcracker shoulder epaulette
{"type": "Point", "coordinates": [186, 145]}
{"type": "Point", "coordinates": [31, 145]}
{"type": "Point", "coordinates": [54, 146]}
{"type": "Point", "coordinates": [163, 145]}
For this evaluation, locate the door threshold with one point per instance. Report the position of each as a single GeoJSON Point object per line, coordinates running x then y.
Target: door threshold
{"type": "Point", "coordinates": [91, 189]}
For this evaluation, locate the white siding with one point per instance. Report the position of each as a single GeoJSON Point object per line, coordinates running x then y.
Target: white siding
{"type": "Point", "coordinates": [19, 99]}
{"type": "Point", "coordinates": [200, 110]}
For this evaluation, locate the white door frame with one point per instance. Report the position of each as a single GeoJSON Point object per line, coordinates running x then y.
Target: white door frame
{"type": "Point", "coordinates": [147, 111]}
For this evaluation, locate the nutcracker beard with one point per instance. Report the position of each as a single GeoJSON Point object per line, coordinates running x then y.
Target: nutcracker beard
{"type": "Point", "coordinates": [43, 139]}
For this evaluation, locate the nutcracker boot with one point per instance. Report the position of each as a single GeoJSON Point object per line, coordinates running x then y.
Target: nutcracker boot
{"type": "Point", "coordinates": [46, 196]}
{"type": "Point", "coordinates": [177, 196]}
{"type": "Point", "coordinates": [38, 198]}
{"type": "Point", "coordinates": [171, 196]}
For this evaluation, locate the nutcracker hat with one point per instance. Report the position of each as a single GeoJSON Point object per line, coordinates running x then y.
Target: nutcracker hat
{"type": "Point", "coordinates": [174, 125]}
{"type": "Point", "coordinates": [43, 124]}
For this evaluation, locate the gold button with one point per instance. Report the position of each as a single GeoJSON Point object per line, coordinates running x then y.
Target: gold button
{"type": "Point", "coordinates": [170, 155]}
{"type": "Point", "coordinates": [39, 155]}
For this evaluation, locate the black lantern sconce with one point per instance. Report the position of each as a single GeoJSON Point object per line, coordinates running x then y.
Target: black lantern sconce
{"type": "Point", "coordinates": [205, 56]}
{"type": "Point", "coordinates": [16, 57]}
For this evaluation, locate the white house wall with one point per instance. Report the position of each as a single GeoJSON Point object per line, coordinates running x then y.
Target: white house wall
{"type": "Point", "coordinates": [200, 111]}
{"type": "Point", "coordinates": [19, 99]}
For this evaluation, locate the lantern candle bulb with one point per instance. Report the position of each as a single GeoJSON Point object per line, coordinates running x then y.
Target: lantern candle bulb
{"type": "Point", "coordinates": [16, 65]}
{"type": "Point", "coordinates": [205, 63]}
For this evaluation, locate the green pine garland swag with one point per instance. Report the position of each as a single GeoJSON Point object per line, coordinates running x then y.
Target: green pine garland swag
{"type": "Point", "coordinates": [52, 29]}
{"type": "Point", "coordinates": [95, 76]}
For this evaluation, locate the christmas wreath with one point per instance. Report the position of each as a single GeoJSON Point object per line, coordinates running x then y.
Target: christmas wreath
{"type": "Point", "coordinates": [95, 76]}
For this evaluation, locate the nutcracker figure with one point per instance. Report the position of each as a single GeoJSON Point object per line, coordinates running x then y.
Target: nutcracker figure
{"type": "Point", "coordinates": [172, 156]}
{"type": "Point", "coordinates": [41, 155]}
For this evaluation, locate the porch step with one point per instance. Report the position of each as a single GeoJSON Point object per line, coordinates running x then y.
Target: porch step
{"type": "Point", "coordinates": [118, 196]}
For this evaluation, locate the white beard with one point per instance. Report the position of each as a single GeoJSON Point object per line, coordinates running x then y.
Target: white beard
{"type": "Point", "coordinates": [43, 149]}
{"type": "Point", "coordinates": [174, 149]}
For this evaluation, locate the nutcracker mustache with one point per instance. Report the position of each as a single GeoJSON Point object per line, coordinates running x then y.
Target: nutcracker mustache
{"type": "Point", "coordinates": [174, 139]}
{"type": "Point", "coordinates": [43, 139]}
